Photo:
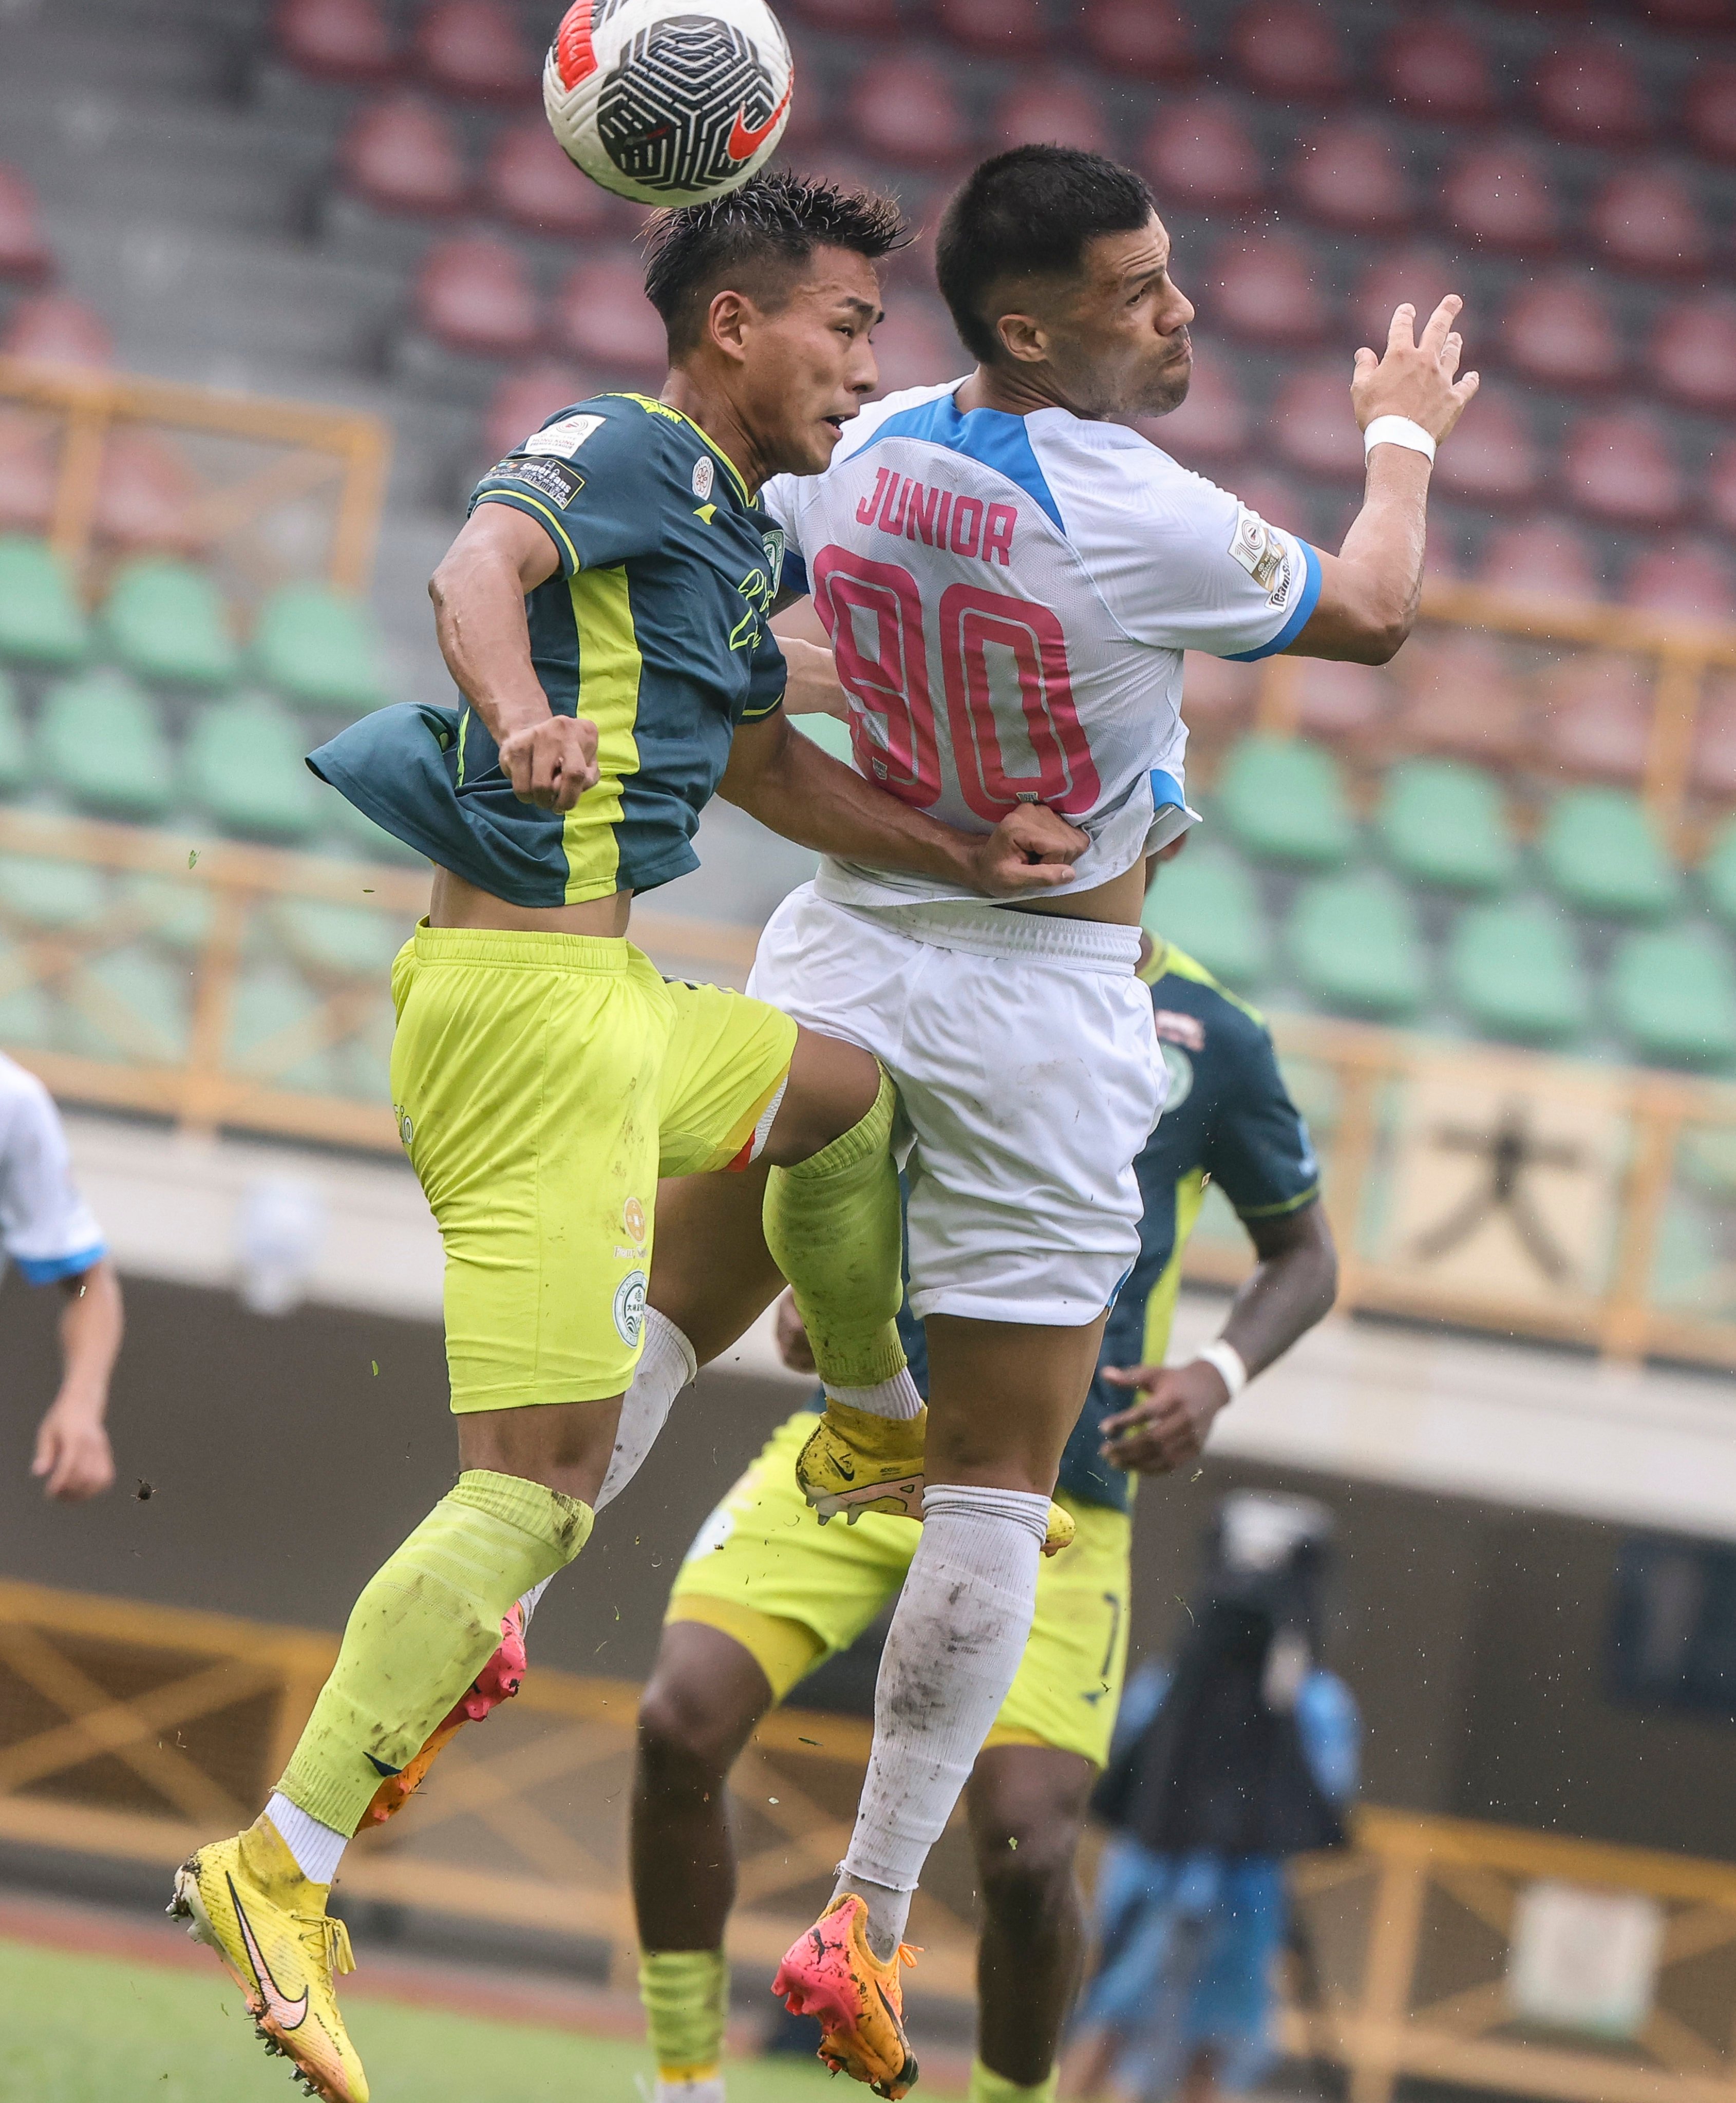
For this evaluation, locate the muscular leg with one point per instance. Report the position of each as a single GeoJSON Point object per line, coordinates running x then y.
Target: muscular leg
{"type": "Point", "coordinates": [1002, 1396]}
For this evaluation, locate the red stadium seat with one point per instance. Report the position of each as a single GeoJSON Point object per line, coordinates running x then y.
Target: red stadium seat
{"type": "Point", "coordinates": [476, 295]}
{"type": "Point", "coordinates": [1499, 195]}
{"type": "Point", "coordinates": [25, 257]}
{"type": "Point", "coordinates": [1351, 173]}
{"type": "Point", "coordinates": [1211, 426]}
{"type": "Point", "coordinates": [602, 316]}
{"type": "Point", "coordinates": [1146, 38]}
{"type": "Point", "coordinates": [1694, 353]}
{"type": "Point", "coordinates": [1622, 468]}
{"type": "Point", "coordinates": [1218, 698]}
{"type": "Point", "coordinates": [1439, 70]}
{"type": "Point", "coordinates": [1276, 497]}
{"type": "Point", "coordinates": [1462, 700]}
{"type": "Point", "coordinates": [401, 155]}
{"type": "Point", "coordinates": [1714, 766]}
{"type": "Point", "coordinates": [997, 29]}
{"type": "Point", "coordinates": [1560, 330]}
{"type": "Point", "coordinates": [1419, 273]}
{"type": "Point", "coordinates": [1648, 220]}
{"type": "Point", "coordinates": [1266, 288]}
{"type": "Point", "coordinates": [1718, 491]}
{"type": "Point", "coordinates": [1202, 155]}
{"type": "Point", "coordinates": [149, 499]}
{"type": "Point", "coordinates": [915, 346]}
{"type": "Point", "coordinates": [1690, 578]}
{"type": "Point", "coordinates": [1315, 429]}
{"type": "Point", "coordinates": [1346, 705]}
{"type": "Point", "coordinates": [350, 40]}
{"type": "Point", "coordinates": [906, 110]}
{"type": "Point", "coordinates": [29, 460]}
{"type": "Point", "coordinates": [1542, 558]}
{"type": "Point", "coordinates": [525, 400]}
{"type": "Point", "coordinates": [1711, 110]}
{"type": "Point", "coordinates": [1591, 95]}
{"type": "Point", "coordinates": [862, 18]}
{"type": "Point", "coordinates": [53, 328]}
{"type": "Point", "coordinates": [1054, 112]}
{"type": "Point", "coordinates": [1594, 723]}
{"type": "Point", "coordinates": [474, 51]}
{"type": "Point", "coordinates": [1492, 458]}
{"type": "Point", "coordinates": [1692, 15]}
{"type": "Point", "coordinates": [529, 182]}
{"type": "Point", "coordinates": [1289, 50]}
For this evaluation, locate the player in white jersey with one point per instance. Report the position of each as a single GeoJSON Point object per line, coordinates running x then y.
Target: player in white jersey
{"type": "Point", "coordinates": [1008, 577]}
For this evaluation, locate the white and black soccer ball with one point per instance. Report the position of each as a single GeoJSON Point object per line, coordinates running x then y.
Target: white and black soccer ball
{"type": "Point", "coordinates": [669, 104]}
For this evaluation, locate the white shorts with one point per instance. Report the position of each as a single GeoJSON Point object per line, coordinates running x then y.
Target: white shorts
{"type": "Point", "coordinates": [1028, 1070]}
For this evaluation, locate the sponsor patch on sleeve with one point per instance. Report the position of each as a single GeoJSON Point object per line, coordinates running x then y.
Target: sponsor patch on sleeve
{"type": "Point", "coordinates": [548, 478]}
{"type": "Point", "coordinates": [1256, 548]}
{"type": "Point", "coordinates": [564, 437]}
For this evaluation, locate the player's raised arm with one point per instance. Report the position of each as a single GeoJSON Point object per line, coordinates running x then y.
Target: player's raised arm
{"type": "Point", "coordinates": [1407, 401]}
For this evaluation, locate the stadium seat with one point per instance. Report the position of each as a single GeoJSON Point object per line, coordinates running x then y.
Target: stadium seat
{"type": "Point", "coordinates": [318, 646]}
{"type": "Point", "coordinates": [475, 296]}
{"type": "Point", "coordinates": [131, 1006]}
{"type": "Point", "coordinates": [1621, 468]}
{"type": "Point", "coordinates": [29, 455]}
{"type": "Point", "coordinates": [1356, 947]}
{"type": "Point", "coordinates": [16, 771]}
{"type": "Point", "coordinates": [1444, 825]}
{"type": "Point", "coordinates": [402, 156]}
{"type": "Point", "coordinates": [149, 496]}
{"type": "Point", "coordinates": [1604, 857]}
{"type": "Point", "coordinates": [1690, 578]}
{"type": "Point", "coordinates": [1693, 16]}
{"type": "Point", "coordinates": [25, 257]}
{"type": "Point", "coordinates": [1283, 802]}
{"type": "Point", "coordinates": [1649, 220]}
{"type": "Point", "coordinates": [167, 620]}
{"type": "Point", "coordinates": [54, 896]}
{"type": "Point", "coordinates": [1206, 902]}
{"type": "Point", "coordinates": [1437, 69]}
{"type": "Point", "coordinates": [1672, 993]}
{"type": "Point", "coordinates": [1147, 39]}
{"type": "Point", "coordinates": [41, 623]}
{"type": "Point", "coordinates": [346, 41]}
{"type": "Point", "coordinates": [1462, 700]}
{"type": "Point", "coordinates": [1316, 428]}
{"type": "Point", "coordinates": [1592, 95]}
{"type": "Point", "coordinates": [176, 913]}
{"type": "Point", "coordinates": [1351, 173]}
{"type": "Point", "coordinates": [1714, 764]}
{"type": "Point", "coordinates": [1710, 109]}
{"type": "Point", "coordinates": [475, 50]}
{"type": "Point", "coordinates": [863, 17]}
{"type": "Point", "coordinates": [1265, 288]}
{"type": "Point", "coordinates": [1516, 971]}
{"type": "Point", "coordinates": [1211, 425]}
{"type": "Point", "coordinates": [1289, 50]}
{"type": "Point", "coordinates": [1276, 498]}
{"type": "Point", "coordinates": [601, 314]}
{"type": "Point", "coordinates": [1694, 353]}
{"type": "Point", "coordinates": [275, 1035]}
{"type": "Point", "coordinates": [1560, 331]}
{"type": "Point", "coordinates": [1718, 875]}
{"type": "Point", "coordinates": [335, 942]}
{"type": "Point", "coordinates": [1341, 703]}
{"type": "Point", "coordinates": [1499, 196]}
{"type": "Point", "coordinates": [53, 328]}
{"type": "Point", "coordinates": [915, 345]}
{"type": "Point", "coordinates": [1202, 156]}
{"type": "Point", "coordinates": [1217, 697]}
{"type": "Point", "coordinates": [99, 741]}
{"type": "Point", "coordinates": [1718, 490]}
{"type": "Point", "coordinates": [1051, 111]}
{"type": "Point", "coordinates": [1542, 558]}
{"type": "Point", "coordinates": [1491, 459]}
{"type": "Point", "coordinates": [1595, 721]}
{"type": "Point", "coordinates": [526, 400]}
{"type": "Point", "coordinates": [906, 110]}
{"type": "Point", "coordinates": [529, 181]}
{"type": "Point", "coordinates": [1013, 29]}
{"type": "Point", "coordinates": [244, 767]}
{"type": "Point", "coordinates": [1419, 273]}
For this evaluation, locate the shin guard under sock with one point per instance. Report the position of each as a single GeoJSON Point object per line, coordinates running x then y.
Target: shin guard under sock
{"type": "Point", "coordinates": [686, 1998]}
{"type": "Point", "coordinates": [988, 2086]}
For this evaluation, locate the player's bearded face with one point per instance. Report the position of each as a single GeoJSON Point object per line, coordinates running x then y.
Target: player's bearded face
{"type": "Point", "coordinates": [1117, 335]}
{"type": "Point", "coordinates": [809, 365]}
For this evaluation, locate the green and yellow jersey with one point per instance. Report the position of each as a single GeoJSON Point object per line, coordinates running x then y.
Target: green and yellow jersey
{"type": "Point", "coordinates": [653, 628]}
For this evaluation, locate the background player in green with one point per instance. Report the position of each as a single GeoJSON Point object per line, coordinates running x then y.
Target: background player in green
{"type": "Point", "coordinates": [765, 1594]}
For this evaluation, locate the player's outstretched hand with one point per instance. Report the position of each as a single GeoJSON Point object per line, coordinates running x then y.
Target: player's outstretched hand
{"type": "Point", "coordinates": [1167, 1427]}
{"type": "Point", "coordinates": [1032, 848]}
{"type": "Point", "coordinates": [551, 762]}
{"type": "Point", "coordinates": [1413, 379]}
{"type": "Point", "coordinates": [72, 1452]}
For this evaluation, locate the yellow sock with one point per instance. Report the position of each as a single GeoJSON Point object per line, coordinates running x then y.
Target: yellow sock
{"type": "Point", "coordinates": [685, 1995]}
{"type": "Point", "coordinates": [834, 1226]}
{"type": "Point", "coordinates": [988, 2086]}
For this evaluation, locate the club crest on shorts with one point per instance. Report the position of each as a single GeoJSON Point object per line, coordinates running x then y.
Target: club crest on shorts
{"type": "Point", "coordinates": [1181, 1074]}
{"type": "Point", "coordinates": [629, 1307]}
{"type": "Point", "coordinates": [632, 1219]}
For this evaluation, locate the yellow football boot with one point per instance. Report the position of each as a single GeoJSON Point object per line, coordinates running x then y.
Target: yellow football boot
{"type": "Point", "coordinates": [831, 1973]}
{"type": "Point", "coordinates": [247, 1898]}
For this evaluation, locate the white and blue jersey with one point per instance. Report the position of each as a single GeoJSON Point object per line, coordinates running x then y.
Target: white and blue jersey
{"type": "Point", "coordinates": [46, 1227]}
{"type": "Point", "coordinates": [1008, 600]}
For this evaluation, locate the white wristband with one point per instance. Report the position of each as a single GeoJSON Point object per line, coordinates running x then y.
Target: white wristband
{"type": "Point", "coordinates": [1397, 431]}
{"type": "Point", "coordinates": [1226, 1361]}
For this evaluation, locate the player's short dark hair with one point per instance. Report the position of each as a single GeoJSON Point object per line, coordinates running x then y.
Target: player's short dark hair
{"type": "Point", "coordinates": [757, 240]}
{"type": "Point", "coordinates": [1030, 210]}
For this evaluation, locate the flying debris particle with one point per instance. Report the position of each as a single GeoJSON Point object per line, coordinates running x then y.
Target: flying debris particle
{"type": "Point", "coordinates": [1184, 1605]}
{"type": "Point", "coordinates": [145, 1491]}
{"type": "Point", "coordinates": [771, 1799]}
{"type": "Point", "coordinates": [807, 1741]}
{"type": "Point", "coordinates": [375, 1363]}
{"type": "Point", "coordinates": [368, 891]}
{"type": "Point", "coordinates": [1196, 1474]}
{"type": "Point", "coordinates": [193, 856]}
{"type": "Point", "coordinates": [1012, 1840]}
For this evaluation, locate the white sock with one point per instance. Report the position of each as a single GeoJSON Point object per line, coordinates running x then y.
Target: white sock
{"type": "Point", "coordinates": [710, 2089]}
{"type": "Point", "coordinates": [318, 1849]}
{"type": "Point", "coordinates": [896, 1397]}
{"type": "Point", "coordinates": [527, 1601]}
{"type": "Point", "coordinates": [967, 1599]}
{"type": "Point", "coordinates": [665, 1366]}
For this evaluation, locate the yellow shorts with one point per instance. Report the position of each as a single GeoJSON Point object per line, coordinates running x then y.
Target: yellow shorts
{"type": "Point", "coordinates": [793, 1593]}
{"type": "Point", "coordinates": [542, 1083]}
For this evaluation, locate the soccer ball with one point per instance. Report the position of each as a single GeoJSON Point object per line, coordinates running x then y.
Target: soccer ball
{"type": "Point", "coordinates": [669, 104]}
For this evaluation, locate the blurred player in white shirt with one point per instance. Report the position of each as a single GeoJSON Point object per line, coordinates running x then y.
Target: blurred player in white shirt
{"type": "Point", "coordinates": [49, 1233]}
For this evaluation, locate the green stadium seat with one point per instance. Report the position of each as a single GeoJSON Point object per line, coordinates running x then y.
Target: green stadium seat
{"type": "Point", "coordinates": [1357, 947]}
{"type": "Point", "coordinates": [1443, 824]}
{"type": "Point", "coordinates": [15, 741]}
{"type": "Point", "coordinates": [41, 621]}
{"type": "Point", "coordinates": [1283, 801]}
{"type": "Point", "coordinates": [167, 620]}
{"type": "Point", "coordinates": [319, 648]}
{"type": "Point", "coordinates": [1688, 1264]}
{"type": "Point", "coordinates": [1516, 971]}
{"type": "Point", "coordinates": [1673, 993]}
{"type": "Point", "coordinates": [133, 1005]}
{"type": "Point", "coordinates": [177, 915]}
{"type": "Point", "coordinates": [100, 740]}
{"type": "Point", "coordinates": [245, 766]}
{"type": "Point", "coordinates": [362, 1064]}
{"type": "Point", "coordinates": [28, 1020]}
{"type": "Point", "coordinates": [276, 1035]}
{"type": "Point", "coordinates": [1603, 856]}
{"type": "Point", "coordinates": [54, 896]}
{"type": "Point", "coordinates": [338, 941]}
{"type": "Point", "coordinates": [1207, 902]}
{"type": "Point", "coordinates": [1706, 1159]}
{"type": "Point", "coordinates": [828, 733]}
{"type": "Point", "coordinates": [1718, 875]}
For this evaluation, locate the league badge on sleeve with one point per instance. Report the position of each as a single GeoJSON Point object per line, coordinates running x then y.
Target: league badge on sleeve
{"type": "Point", "coordinates": [1256, 548]}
